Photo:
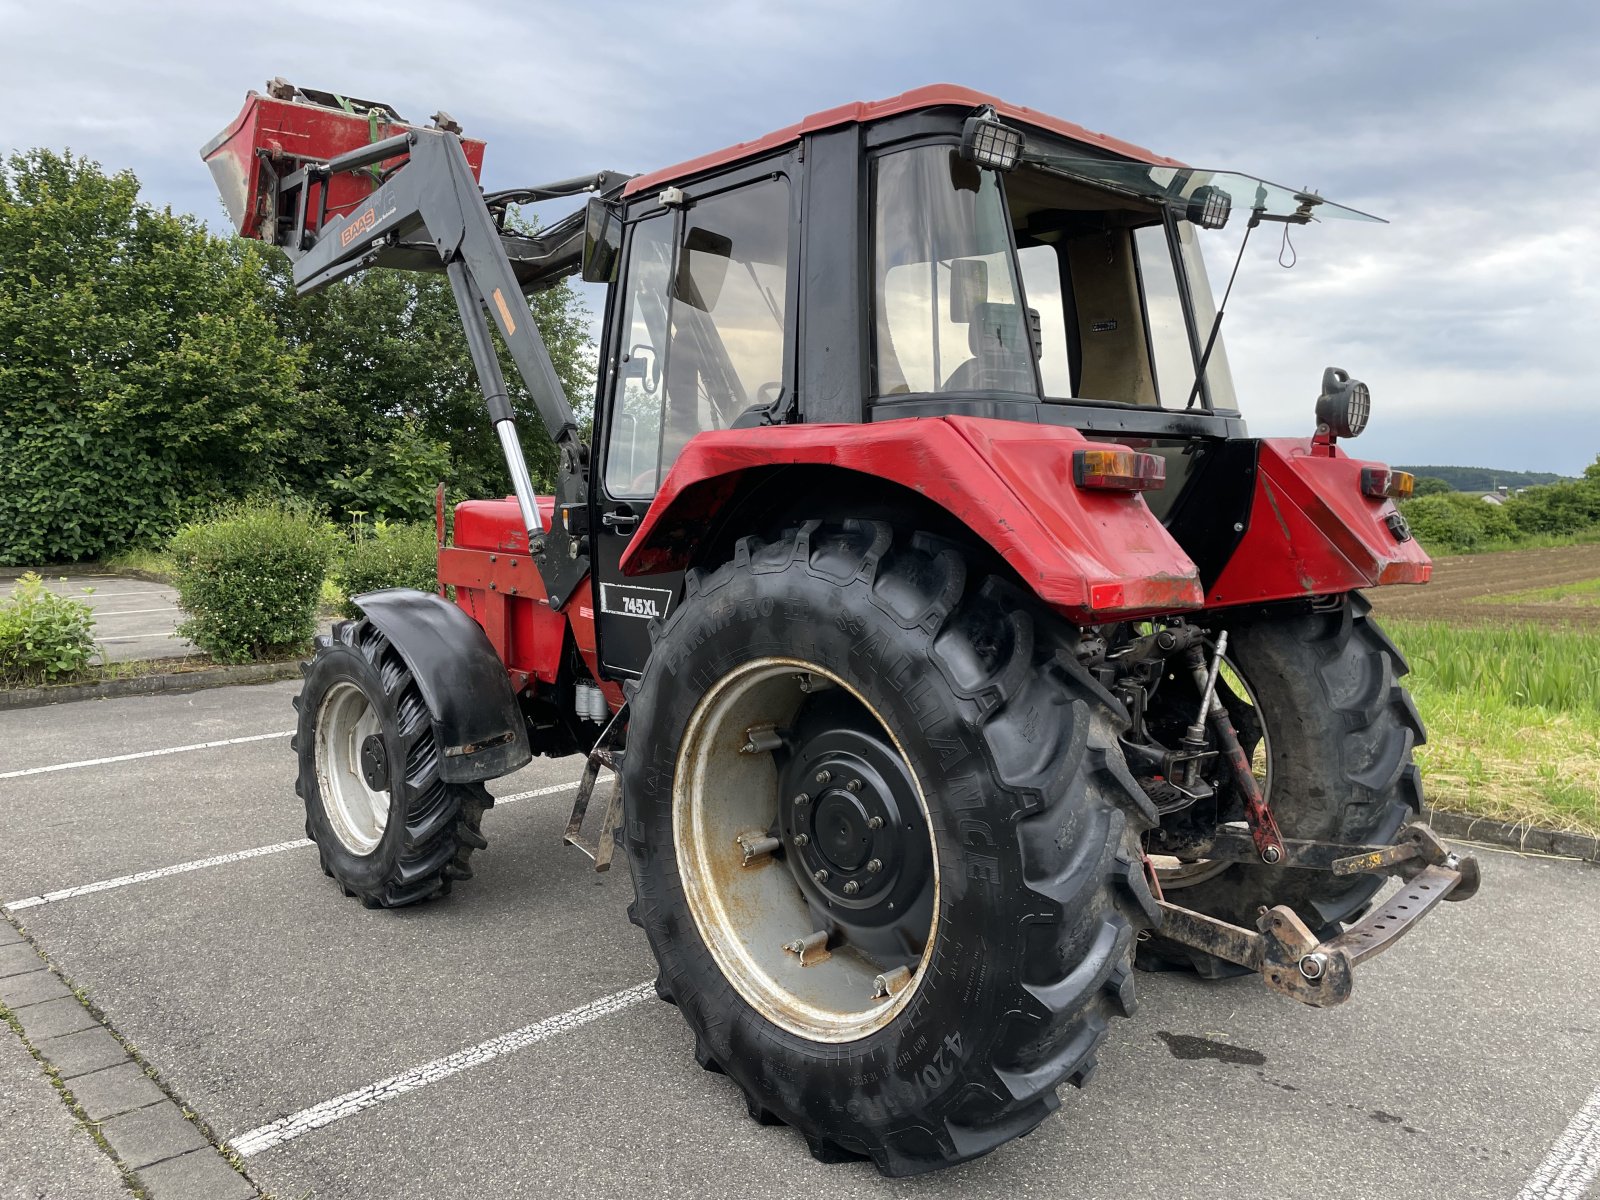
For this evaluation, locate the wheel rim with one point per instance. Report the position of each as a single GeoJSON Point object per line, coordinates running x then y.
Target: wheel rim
{"type": "Point", "coordinates": [1175, 873]}
{"type": "Point", "coordinates": [877, 896]}
{"type": "Point", "coordinates": [352, 768]}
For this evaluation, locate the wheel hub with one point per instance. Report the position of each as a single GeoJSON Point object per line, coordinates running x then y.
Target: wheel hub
{"type": "Point", "coordinates": [375, 762]}
{"type": "Point", "coordinates": [853, 830]}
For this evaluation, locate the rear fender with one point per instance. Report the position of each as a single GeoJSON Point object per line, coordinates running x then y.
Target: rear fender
{"type": "Point", "coordinates": [1312, 531]}
{"type": "Point", "coordinates": [476, 721]}
{"type": "Point", "coordinates": [1095, 556]}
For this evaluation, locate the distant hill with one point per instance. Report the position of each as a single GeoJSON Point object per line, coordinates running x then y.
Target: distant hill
{"type": "Point", "coordinates": [1485, 479]}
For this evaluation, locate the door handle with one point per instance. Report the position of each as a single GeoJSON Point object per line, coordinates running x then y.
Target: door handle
{"type": "Point", "coordinates": [619, 520]}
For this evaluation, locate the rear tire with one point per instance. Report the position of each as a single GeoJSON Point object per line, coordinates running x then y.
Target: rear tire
{"type": "Point", "coordinates": [1341, 729]}
{"type": "Point", "coordinates": [389, 830]}
{"type": "Point", "coordinates": [1029, 814]}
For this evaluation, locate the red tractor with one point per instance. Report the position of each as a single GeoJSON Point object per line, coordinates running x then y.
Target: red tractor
{"type": "Point", "coordinates": [954, 647]}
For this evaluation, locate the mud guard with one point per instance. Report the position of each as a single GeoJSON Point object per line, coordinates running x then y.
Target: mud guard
{"type": "Point", "coordinates": [477, 723]}
{"type": "Point", "coordinates": [1313, 532]}
{"type": "Point", "coordinates": [1091, 555]}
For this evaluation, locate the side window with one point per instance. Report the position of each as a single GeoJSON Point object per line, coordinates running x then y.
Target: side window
{"type": "Point", "coordinates": [1041, 281]}
{"type": "Point", "coordinates": [1163, 311]}
{"type": "Point", "coordinates": [704, 324]}
{"type": "Point", "coordinates": [633, 446]}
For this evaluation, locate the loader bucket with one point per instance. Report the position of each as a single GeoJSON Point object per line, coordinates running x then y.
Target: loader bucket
{"type": "Point", "coordinates": [274, 136]}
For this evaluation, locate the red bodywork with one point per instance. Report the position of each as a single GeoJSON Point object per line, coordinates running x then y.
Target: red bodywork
{"type": "Point", "coordinates": [1094, 555]}
{"type": "Point", "coordinates": [291, 133]}
{"type": "Point", "coordinates": [499, 587]}
{"type": "Point", "coordinates": [1313, 532]}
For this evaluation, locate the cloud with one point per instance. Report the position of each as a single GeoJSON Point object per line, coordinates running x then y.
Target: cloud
{"type": "Point", "coordinates": [1470, 124]}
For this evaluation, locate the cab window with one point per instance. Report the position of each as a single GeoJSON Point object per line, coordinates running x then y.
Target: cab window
{"type": "Point", "coordinates": [704, 329]}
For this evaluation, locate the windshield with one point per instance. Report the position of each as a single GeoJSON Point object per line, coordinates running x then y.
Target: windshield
{"type": "Point", "coordinates": [1176, 187]}
{"type": "Point", "coordinates": [1037, 284]}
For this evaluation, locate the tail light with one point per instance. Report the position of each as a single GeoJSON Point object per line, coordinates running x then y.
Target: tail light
{"type": "Point", "coordinates": [1381, 483]}
{"type": "Point", "coordinates": [1118, 470]}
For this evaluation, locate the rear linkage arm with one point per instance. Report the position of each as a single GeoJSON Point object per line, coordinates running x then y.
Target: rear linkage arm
{"type": "Point", "coordinates": [431, 202]}
{"type": "Point", "coordinates": [1283, 950]}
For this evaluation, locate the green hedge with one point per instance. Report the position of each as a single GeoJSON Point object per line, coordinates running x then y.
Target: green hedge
{"type": "Point", "coordinates": [250, 578]}
{"type": "Point", "coordinates": [43, 636]}
{"type": "Point", "coordinates": [389, 555]}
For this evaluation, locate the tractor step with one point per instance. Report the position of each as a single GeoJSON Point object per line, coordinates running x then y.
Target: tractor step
{"type": "Point", "coordinates": [605, 754]}
{"type": "Point", "coordinates": [1288, 955]}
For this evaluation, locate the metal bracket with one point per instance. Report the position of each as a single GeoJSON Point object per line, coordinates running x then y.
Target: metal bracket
{"type": "Point", "coordinates": [605, 755]}
{"type": "Point", "coordinates": [1284, 951]}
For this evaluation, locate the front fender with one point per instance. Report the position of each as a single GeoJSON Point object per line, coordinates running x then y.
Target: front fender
{"type": "Point", "coordinates": [1093, 555]}
{"type": "Point", "coordinates": [1312, 531]}
{"type": "Point", "coordinates": [476, 720]}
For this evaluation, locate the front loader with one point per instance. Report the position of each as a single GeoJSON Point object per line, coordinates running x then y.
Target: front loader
{"type": "Point", "coordinates": [953, 646]}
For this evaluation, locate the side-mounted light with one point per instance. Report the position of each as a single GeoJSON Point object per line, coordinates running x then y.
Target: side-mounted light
{"type": "Point", "coordinates": [989, 143]}
{"type": "Point", "coordinates": [1118, 470]}
{"type": "Point", "coordinates": [1383, 483]}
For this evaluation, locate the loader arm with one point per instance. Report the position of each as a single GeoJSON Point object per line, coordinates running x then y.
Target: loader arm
{"type": "Point", "coordinates": [428, 212]}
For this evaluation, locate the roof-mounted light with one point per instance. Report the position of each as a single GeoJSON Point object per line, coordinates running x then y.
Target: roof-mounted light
{"type": "Point", "coordinates": [1209, 207]}
{"type": "Point", "coordinates": [989, 143]}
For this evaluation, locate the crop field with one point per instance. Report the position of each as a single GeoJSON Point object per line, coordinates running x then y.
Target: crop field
{"type": "Point", "coordinates": [1505, 657]}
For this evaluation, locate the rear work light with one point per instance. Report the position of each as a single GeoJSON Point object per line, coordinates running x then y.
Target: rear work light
{"type": "Point", "coordinates": [1381, 482]}
{"type": "Point", "coordinates": [1118, 470]}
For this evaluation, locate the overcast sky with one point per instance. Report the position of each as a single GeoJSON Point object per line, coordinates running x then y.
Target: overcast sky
{"type": "Point", "coordinates": [1473, 127]}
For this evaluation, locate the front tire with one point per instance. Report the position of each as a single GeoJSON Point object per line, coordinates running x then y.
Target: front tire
{"type": "Point", "coordinates": [388, 829]}
{"type": "Point", "coordinates": [959, 700]}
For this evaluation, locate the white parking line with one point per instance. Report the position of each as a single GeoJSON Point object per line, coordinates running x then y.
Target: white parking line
{"type": "Point", "coordinates": [1574, 1160]}
{"type": "Point", "coordinates": [160, 873]}
{"type": "Point", "coordinates": [116, 758]}
{"type": "Point", "coordinates": [287, 1128]}
{"type": "Point", "coordinates": [139, 637]}
{"type": "Point", "coordinates": [130, 612]}
{"type": "Point", "coordinates": [219, 860]}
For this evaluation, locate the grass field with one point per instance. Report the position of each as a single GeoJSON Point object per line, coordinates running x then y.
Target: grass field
{"type": "Point", "coordinates": [1505, 659]}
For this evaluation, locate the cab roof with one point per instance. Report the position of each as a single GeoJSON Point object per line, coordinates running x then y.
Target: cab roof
{"type": "Point", "coordinates": [937, 95]}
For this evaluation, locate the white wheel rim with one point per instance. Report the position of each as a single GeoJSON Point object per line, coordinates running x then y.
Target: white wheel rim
{"type": "Point", "coordinates": [358, 813]}
{"type": "Point", "coordinates": [747, 915]}
{"type": "Point", "coordinates": [1174, 873]}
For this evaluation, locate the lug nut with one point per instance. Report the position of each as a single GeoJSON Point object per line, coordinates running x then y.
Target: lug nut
{"type": "Point", "coordinates": [803, 799]}
{"type": "Point", "coordinates": [851, 887]}
{"type": "Point", "coordinates": [890, 982]}
{"type": "Point", "coordinates": [853, 786]}
{"type": "Point", "coordinates": [824, 776]}
{"type": "Point", "coordinates": [802, 839]}
{"type": "Point", "coordinates": [874, 822]}
{"type": "Point", "coordinates": [875, 865]}
{"type": "Point", "coordinates": [820, 875]}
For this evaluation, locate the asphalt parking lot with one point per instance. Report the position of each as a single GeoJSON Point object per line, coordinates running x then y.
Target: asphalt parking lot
{"type": "Point", "coordinates": [133, 618]}
{"type": "Point", "coordinates": [517, 1054]}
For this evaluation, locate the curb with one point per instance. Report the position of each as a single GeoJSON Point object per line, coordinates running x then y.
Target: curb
{"type": "Point", "coordinates": [161, 1147]}
{"type": "Point", "coordinates": [1528, 838]}
{"type": "Point", "coordinates": [149, 685]}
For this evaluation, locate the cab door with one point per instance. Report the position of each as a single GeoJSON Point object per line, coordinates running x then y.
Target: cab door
{"type": "Point", "coordinates": [700, 340]}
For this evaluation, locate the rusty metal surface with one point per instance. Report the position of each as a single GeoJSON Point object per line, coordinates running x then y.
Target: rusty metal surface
{"type": "Point", "coordinates": [604, 754]}
{"type": "Point", "coordinates": [1388, 923]}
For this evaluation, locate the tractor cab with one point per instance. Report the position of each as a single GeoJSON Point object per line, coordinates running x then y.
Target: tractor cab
{"type": "Point", "coordinates": [938, 254]}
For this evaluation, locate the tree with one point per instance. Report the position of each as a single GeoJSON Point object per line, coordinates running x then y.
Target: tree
{"type": "Point", "coordinates": [1430, 485]}
{"type": "Point", "coordinates": [141, 371]}
{"type": "Point", "coordinates": [391, 403]}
